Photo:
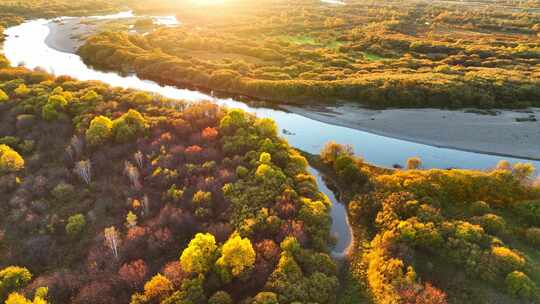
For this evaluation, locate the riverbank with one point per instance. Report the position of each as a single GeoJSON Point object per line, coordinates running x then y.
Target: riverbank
{"type": "Point", "coordinates": [499, 133]}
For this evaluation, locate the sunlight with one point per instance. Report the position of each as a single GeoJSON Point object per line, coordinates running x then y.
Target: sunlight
{"type": "Point", "coordinates": [207, 2]}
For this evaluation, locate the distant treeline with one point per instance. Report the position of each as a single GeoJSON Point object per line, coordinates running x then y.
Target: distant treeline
{"type": "Point", "coordinates": [376, 54]}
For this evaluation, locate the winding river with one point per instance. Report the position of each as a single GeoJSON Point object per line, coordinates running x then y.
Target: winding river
{"type": "Point", "coordinates": [25, 45]}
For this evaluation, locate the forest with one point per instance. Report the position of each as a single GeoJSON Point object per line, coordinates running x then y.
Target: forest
{"type": "Point", "coordinates": [119, 196]}
{"type": "Point", "coordinates": [376, 53]}
{"type": "Point", "coordinates": [439, 236]}
{"type": "Point", "coordinates": [112, 195]}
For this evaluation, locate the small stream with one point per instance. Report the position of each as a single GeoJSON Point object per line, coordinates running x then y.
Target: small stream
{"type": "Point", "coordinates": [25, 45]}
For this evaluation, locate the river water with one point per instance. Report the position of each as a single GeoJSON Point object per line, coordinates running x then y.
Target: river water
{"type": "Point", "coordinates": [25, 45]}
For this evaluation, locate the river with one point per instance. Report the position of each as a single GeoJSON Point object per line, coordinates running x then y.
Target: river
{"type": "Point", "coordinates": [25, 45]}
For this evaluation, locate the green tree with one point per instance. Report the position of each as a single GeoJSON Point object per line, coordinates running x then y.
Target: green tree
{"type": "Point", "coordinates": [200, 254]}
{"type": "Point", "coordinates": [91, 96]}
{"type": "Point", "coordinates": [10, 160]}
{"type": "Point", "coordinates": [520, 285]}
{"type": "Point", "coordinates": [220, 297]}
{"type": "Point", "coordinates": [100, 131]}
{"type": "Point", "coordinates": [237, 255]}
{"type": "Point", "coordinates": [128, 126]}
{"type": "Point", "coordinates": [75, 225]}
{"type": "Point", "coordinates": [54, 105]}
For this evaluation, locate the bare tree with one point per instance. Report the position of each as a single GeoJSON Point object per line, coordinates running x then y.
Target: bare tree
{"type": "Point", "coordinates": [84, 170]}
{"type": "Point", "coordinates": [112, 240]}
{"type": "Point", "coordinates": [133, 173]}
{"type": "Point", "coordinates": [139, 159]}
{"type": "Point", "coordinates": [145, 205]}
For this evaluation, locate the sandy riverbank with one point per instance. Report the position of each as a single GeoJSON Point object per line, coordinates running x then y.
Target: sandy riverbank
{"type": "Point", "coordinates": [60, 40]}
{"type": "Point", "coordinates": [500, 134]}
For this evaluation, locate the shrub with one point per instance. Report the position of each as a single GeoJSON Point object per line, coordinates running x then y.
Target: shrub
{"type": "Point", "coordinates": [75, 225]}
{"type": "Point", "coordinates": [100, 131]}
{"type": "Point", "coordinates": [414, 163]}
{"type": "Point", "coordinates": [520, 285]}
{"type": "Point", "coordinates": [3, 96]}
{"type": "Point", "coordinates": [220, 297]}
{"type": "Point", "coordinates": [10, 160]}
{"type": "Point", "coordinates": [533, 236]}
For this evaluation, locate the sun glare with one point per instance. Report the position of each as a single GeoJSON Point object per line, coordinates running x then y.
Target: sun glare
{"type": "Point", "coordinates": [207, 2]}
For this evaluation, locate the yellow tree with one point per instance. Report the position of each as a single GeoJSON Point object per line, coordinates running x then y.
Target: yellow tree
{"type": "Point", "coordinates": [200, 254]}
{"type": "Point", "coordinates": [237, 254]}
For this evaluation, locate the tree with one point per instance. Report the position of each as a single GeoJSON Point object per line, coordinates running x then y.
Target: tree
{"type": "Point", "coordinates": [131, 220]}
{"type": "Point", "coordinates": [209, 134]}
{"type": "Point", "coordinates": [414, 163]}
{"type": "Point", "coordinates": [54, 104]}
{"type": "Point", "coordinates": [200, 254]}
{"type": "Point", "coordinates": [16, 298]}
{"type": "Point", "coordinates": [128, 126]}
{"type": "Point", "coordinates": [100, 131]}
{"type": "Point", "coordinates": [520, 285]}
{"type": "Point", "coordinates": [133, 273]}
{"type": "Point", "coordinates": [158, 287]}
{"type": "Point", "coordinates": [504, 165]}
{"type": "Point", "coordinates": [13, 278]}
{"type": "Point", "coordinates": [142, 98]}
{"type": "Point", "coordinates": [3, 96]}
{"type": "Point", "coordinates": [237, 254]}
{"type": "Point", "coordinates": [112, 240]}
{"type": "Point", "coordinates": [91, 96]}
{"type": "Point", "coordinates": [75, 225]}
{"type": "Point", "coordinates": [265, 158]}
{"type": "Point", "coordinates": [84, 170]}
{"type": "Point", "coordinates": [22, 90]}
{"type": "Point", "coordinates": [220, 297]}
{"type": "Point", "coordinates": [10, 160]}
{"type": "Point", "coordinates": [265, 297]}
{"type": "Point", "coordinates": [523, 171]}
{"type": "Point", "coordinates": [331, 151]}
